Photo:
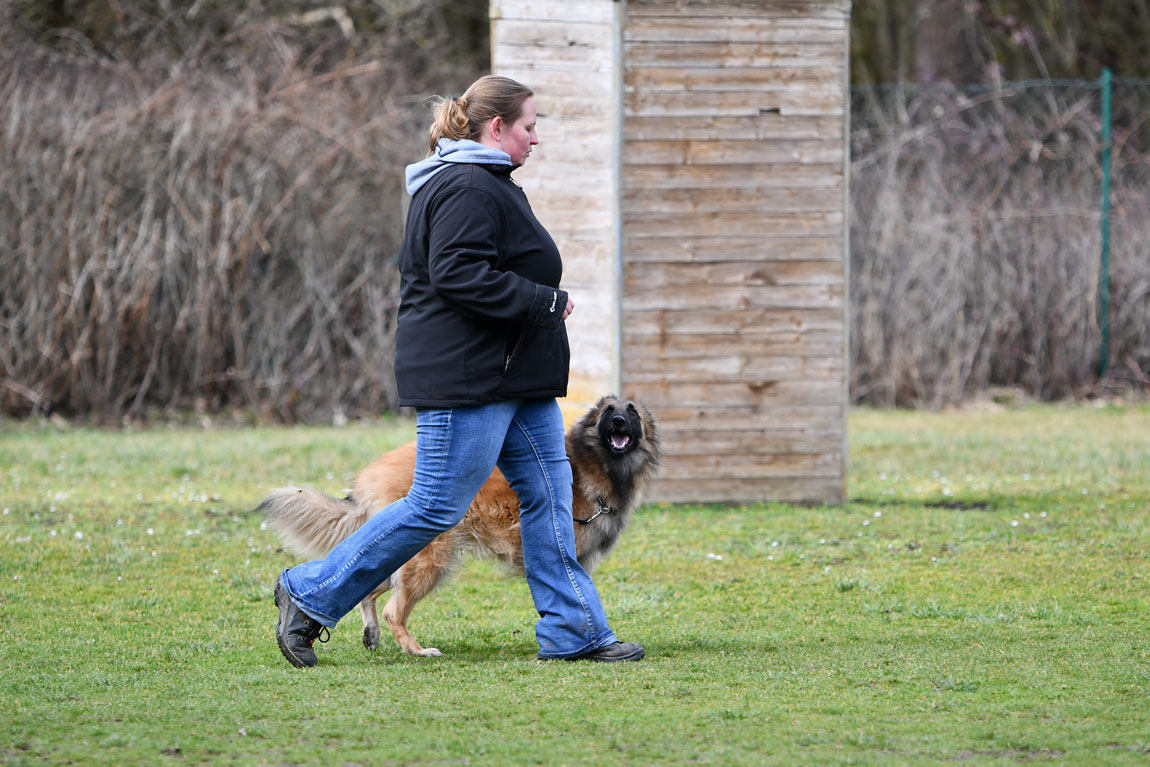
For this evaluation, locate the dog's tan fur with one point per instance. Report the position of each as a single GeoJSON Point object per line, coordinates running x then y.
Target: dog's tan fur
{"type": "Point", "coordinates": [312, 523]}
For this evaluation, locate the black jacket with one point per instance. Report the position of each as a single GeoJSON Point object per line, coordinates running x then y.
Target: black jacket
{"type": "Point", "coordinates": [480, 318]}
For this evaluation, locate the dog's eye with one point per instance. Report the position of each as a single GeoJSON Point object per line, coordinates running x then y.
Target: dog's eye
{"type": "Point", "coordinates": [631, 409]}
{"type": "Point", "coordinates": [610, 408]}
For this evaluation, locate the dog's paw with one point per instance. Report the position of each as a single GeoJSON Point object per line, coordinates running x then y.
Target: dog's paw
{"type": "Point", "coordinates": [371, 637]}
{"type": "Point", "coordinates": [429, 652]}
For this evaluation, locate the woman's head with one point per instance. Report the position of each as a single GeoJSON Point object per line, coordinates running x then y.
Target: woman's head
{"type": "Point", "coordinates": [495, 110]}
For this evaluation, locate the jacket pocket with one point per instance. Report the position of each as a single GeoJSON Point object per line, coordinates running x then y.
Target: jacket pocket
{"type": "Point", "coordinates": [519, 346]}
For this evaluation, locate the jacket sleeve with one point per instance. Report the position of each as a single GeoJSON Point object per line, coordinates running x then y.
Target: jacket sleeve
{"type": "Point", "coordinates": [463, 256]}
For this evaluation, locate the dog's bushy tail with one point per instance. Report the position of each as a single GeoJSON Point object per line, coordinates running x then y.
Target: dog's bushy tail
{"type": "Point", "coordinates": [309, 522]}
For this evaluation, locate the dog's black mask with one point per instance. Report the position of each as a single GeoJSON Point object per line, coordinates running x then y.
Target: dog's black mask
{"type": "Point", "coordinates": [620, 428]}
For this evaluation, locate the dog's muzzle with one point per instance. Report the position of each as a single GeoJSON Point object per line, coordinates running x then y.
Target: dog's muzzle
{"type": "Point", "coordinates": [619, 438]}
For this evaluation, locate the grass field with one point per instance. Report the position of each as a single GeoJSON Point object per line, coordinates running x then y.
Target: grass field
{"type": "Point", "coordinates": [984, 598]}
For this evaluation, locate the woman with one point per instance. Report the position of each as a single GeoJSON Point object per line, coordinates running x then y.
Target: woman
{"type": "Point", "coordinates": [481, 353]}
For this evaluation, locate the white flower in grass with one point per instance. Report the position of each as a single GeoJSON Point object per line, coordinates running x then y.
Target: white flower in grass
{"type": "Point", "coordinates": [774, 544]}
{"type": "Point", "coordinates": [1043, 515]}
{"type": "Point", "coordinates": [52, 533]}
{"type": "Point", "coordinates": [717, 557]}
{"type": "Point", "coordinates": [1014, 523]}
{"type": "Point", "coordinates": [878, 514]}
{"type": "Point", "coordinates": [866, 523]}
{"type": "Point", "coordinates": [151, 531]}
{"type": "Point", "coordinates": [1026, 515]}
{"type": "Point", "coordinates": [79, 536]}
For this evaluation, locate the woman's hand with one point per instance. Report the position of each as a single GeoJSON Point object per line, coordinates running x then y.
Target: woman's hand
{"type": "Point", "coordinates": [570, 308]}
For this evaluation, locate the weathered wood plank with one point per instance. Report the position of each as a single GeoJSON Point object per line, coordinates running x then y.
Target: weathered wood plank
{"type": "Point", "coordinates": [831, 9]}
{"type": "Point", "coordinates": [741, 153]}
{"type": "Point", "coordinates": [734, 368]}
{"type": "Point", "coordinates": [570, 11]}
{"type": "Point", "coordinates": [760, 127]}
{"type": "Point", "coordinates": [734, 353]}
{"type": "Point", "coordinates": [778, 200]}
{"type": "Point", "coordinates": [747, 357]}
{"type": "Point", "coordinates": [704, 441]}
{"type": "Point", "coordinates": [731, 29]}
{"type": "Point", "coordinates": [645, 224]}
{"type": "Point", "coordinates": [731, 299]}
{"type": "Point", "coordinates": [729, 248]}
{"type": "Point", "coordinates": [546, 35]}
{"type": "Point", "coordinates": [789, 175]}
{"type": "Point", "coordinates": [681, 422]}
{"type": "Point", "coordinates": [702, 55]}
{"type": "Point", "coordinates": [573, 60]}
{"type": "Point", "coordinates": [754, 466]}
{"type": "Point", "coordinates": [763, 394]}
{"type": "Point", "coordinates": [709, 276]}
{"type": "Point", "coordinates": [826, 101]}
{"type": "Point", "coordinates": [740, 79]}
{"type": "Point", "coordinates": [774, 330]}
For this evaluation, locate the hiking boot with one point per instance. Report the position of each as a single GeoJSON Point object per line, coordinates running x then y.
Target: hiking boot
{"type": "Point", "coordinates": [611, 653]}
{"type": "Point", "coordinates": [296, 631]}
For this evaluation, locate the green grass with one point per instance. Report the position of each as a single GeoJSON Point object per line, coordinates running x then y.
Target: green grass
{"type": "Point", "coordinates": [984, 598]}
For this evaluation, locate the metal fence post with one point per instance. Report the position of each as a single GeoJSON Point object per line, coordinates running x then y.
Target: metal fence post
{"type": "Point", "coordinates": [1104, 270]}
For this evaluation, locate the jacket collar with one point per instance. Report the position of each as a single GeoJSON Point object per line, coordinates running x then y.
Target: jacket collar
{"type": "Point", "coordinates": [450, 152]}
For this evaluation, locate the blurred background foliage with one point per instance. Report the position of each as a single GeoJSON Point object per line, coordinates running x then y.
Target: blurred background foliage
{"type": "Point", "coordinates": [201, 201]}
{"type": "Point", "coordinates": [891, 40]}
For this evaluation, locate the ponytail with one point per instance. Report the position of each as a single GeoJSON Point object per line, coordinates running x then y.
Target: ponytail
{"type": "Point", "coordinates": [464, 117]}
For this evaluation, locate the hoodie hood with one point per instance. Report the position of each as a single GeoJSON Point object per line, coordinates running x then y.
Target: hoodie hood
{"type": "Point", "coordinates": [451, 152]}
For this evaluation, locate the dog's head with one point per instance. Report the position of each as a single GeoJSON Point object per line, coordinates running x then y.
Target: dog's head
{"type": "Point", "coordinates": [622, 426]}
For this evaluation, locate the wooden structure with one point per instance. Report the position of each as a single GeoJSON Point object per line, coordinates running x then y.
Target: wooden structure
{"type": "Point", "coordinates": [693, 170]}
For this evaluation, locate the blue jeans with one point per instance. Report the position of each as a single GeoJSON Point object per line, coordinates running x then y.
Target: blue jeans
{"type": "Point", "coordinates": [456, 449]}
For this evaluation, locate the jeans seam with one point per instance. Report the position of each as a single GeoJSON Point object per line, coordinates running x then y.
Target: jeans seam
{"type": "Point", "coordinates": [555, 528]}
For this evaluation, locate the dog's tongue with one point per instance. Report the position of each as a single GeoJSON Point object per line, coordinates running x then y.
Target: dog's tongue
{"type": "Point", "coordinates": [619, 441]}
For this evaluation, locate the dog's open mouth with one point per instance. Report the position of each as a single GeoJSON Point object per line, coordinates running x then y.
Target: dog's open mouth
{"type": "Point", "coordinates": [619, 441]}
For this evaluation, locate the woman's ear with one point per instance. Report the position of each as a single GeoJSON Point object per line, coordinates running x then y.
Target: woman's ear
{"type": "Point", "coordinates": [497, 127]}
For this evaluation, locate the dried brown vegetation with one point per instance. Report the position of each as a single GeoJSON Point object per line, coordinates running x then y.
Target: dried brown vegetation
{"type": "Point", "coordinates": [975, 241]}
{"type": "Point", "coordinates": [214, 224]}
{"type": "Point", "coordinates": [215, 231]}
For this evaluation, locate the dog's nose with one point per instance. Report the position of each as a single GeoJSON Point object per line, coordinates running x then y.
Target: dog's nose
{"type": "Point", "coordinates": [618, 420]}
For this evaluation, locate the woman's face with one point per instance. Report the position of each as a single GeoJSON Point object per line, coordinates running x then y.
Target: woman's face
{"type": "Point", "coordinates": [516, 139]}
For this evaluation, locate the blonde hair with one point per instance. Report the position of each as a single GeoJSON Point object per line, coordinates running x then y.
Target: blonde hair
{"type": "Point", "coordinates": [463, 117]}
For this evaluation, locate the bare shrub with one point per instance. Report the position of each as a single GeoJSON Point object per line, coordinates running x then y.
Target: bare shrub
{"type": "Point", "coordinates": [975, 243]}
{"type": "Point", "coordinates": [179, 236]}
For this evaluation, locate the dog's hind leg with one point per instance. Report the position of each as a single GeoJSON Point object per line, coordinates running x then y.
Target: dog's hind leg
{"type": "Point", "coordinates": [413, 582]}
{"type": "Point", "coordinates": [371, 617]}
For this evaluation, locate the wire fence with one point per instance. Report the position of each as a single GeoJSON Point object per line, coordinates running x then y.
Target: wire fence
{"type": "Point", "coordinates": [977, 240]}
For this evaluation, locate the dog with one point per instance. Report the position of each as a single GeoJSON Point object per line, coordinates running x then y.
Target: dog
{"type": "Point", "coordinates": [614, 452]}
